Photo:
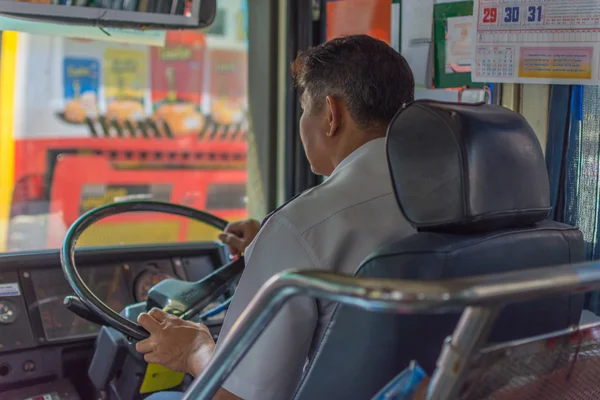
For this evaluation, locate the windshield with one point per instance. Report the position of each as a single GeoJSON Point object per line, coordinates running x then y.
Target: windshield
{"type": "Point", "coordinates": [86, 122]}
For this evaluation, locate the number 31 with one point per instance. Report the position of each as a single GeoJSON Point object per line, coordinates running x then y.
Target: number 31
{"type": "Point", "coordinates": [535, 14]}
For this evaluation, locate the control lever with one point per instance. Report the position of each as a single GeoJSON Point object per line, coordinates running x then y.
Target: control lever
{"type": "Point", "coordinates": [186, 299]}
{"type": "Point", "coordinates": [76, 306]}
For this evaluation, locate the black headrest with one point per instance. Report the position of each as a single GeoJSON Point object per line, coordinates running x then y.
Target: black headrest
{"type": "Point", "coordinates": [466, 167]}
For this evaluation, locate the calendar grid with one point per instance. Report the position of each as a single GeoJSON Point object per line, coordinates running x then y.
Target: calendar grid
{"type": "Point", "coordinates": [495, 61]}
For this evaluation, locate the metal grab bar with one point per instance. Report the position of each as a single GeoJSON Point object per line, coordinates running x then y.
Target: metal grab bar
{"type": "Point", "coordinates": [383, 295]}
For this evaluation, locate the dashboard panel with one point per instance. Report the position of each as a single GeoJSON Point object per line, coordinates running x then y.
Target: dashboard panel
{"type": "Point", "coordinates": [33, 287]}
{"type": "Point", "coordinates": [50, 288]}
{"type": "Point", "coordinates": [145, 281]}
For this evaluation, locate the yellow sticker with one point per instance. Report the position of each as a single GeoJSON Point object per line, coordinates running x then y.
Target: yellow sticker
{"type": "Point", "coordinates": [159, 378]}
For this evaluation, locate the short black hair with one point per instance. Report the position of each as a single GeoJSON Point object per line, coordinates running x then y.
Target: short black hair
{"type": "Point", "coordinates": [373, 79]}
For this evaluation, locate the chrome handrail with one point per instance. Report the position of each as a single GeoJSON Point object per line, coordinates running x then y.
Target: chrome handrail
{"type": "Point", "coordinates": [386, 295]}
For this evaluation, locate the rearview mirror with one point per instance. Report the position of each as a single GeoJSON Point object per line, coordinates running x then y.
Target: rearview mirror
{"type": "Point", "coordinates": [132, 14]}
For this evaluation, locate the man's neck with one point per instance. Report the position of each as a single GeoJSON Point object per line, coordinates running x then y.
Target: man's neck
{"type": "Point", "coordinates": [350, 147]}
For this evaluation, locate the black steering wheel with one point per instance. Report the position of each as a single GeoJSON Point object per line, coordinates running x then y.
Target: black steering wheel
{"type": "Point", "coordinates": [97, 306]}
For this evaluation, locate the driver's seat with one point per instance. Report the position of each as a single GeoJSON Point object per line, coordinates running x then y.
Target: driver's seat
{"type": "Point", "coordinates": [472, 180]}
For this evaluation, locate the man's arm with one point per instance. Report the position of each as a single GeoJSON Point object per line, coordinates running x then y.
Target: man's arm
{"type": "Point", "coordinates": [223, 394]}
{"type": "Point", "coordinates": [179, 345]}
{"type": "Point", "coordinates": [238, 235]}
{"type": "Point", "coordinates": [274, 365]}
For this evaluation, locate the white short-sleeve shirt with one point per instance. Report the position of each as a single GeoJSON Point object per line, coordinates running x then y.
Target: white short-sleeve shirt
{"type": "Point", "coordinates": [333, 227]}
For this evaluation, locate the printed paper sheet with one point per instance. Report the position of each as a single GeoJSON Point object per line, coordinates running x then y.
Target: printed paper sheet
{"type": "Point", "coordinates": [537, 41]}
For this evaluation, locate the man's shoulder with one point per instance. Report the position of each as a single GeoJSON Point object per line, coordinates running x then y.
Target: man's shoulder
{"type": "Point", "coordinates": [358, 182]}
{"type": "Point", "coordinates": [329, 199]}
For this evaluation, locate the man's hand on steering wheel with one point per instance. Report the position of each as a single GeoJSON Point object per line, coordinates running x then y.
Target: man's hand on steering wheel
{"type": "Point", "coordinates": [176, 344]}
{"type": "Point", "coordinates": [238, 235]}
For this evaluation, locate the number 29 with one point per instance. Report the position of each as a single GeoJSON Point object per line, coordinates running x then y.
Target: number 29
{"type": "Point", "coordinates": [490, 15]}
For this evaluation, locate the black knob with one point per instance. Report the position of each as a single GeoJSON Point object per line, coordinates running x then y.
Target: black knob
{"type": "Point", "coordinates": [75, 305]}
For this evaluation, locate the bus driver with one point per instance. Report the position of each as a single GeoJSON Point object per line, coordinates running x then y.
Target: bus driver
{"type": "Point", "coordinates": [350, 87]}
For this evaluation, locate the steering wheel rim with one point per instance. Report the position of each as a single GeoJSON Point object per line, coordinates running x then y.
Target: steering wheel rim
{"type": "Point", "coordinates": [67, 254]}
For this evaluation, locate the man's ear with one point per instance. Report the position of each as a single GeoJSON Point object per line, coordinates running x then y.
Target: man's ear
{"type": "Point", "coordinates": [333, 111]}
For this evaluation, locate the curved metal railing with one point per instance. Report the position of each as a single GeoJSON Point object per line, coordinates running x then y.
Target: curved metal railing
{"type": "Point", "coordinates": [480, 296]}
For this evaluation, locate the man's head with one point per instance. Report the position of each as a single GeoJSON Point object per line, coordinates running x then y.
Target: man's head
{"type": "Point", "coordinates": [350, 88]}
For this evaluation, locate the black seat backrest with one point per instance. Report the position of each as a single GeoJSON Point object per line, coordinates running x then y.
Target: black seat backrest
{"type": "Point", "coordinates": [472, 180]}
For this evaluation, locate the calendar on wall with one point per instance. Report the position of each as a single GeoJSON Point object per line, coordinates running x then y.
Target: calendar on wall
{"type": "Point", "coordinates": [495, 61]}
{"type": "Point", "coordinates": [537, 41]}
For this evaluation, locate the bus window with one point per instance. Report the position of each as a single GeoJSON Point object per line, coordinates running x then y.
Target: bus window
{"type": "Point", "coordinates": [94, 122]}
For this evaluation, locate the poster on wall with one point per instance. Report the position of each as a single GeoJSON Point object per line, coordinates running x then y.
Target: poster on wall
{"type": "Point", "coordinates": [536, 41]}
{"type": "Point", "coordinates": [125, 84]}
{"type": "Point", "coordinates": [350, 17]}
{"type": "Point", "coordinates": [177, 77]}
{"type": "Point", "coordinates": [453, 26]}
{"type": "Point", "coordinates": [458, 44]}
{"type": "Point", "coordinates": [65, 83]}
{"type": "Point", "coordinates": [227, 86]}
{"type": "Point", "coordinates": [81, 81]}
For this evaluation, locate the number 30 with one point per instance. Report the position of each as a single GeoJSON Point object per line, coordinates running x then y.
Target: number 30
{"type": "Point", "coordinates": [511, 14]}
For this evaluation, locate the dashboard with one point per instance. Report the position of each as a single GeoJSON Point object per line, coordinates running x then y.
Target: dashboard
{"type": "Point", "coordinates": [33, 287]}
{"type": "Point", "coordinates": [49, 287]}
